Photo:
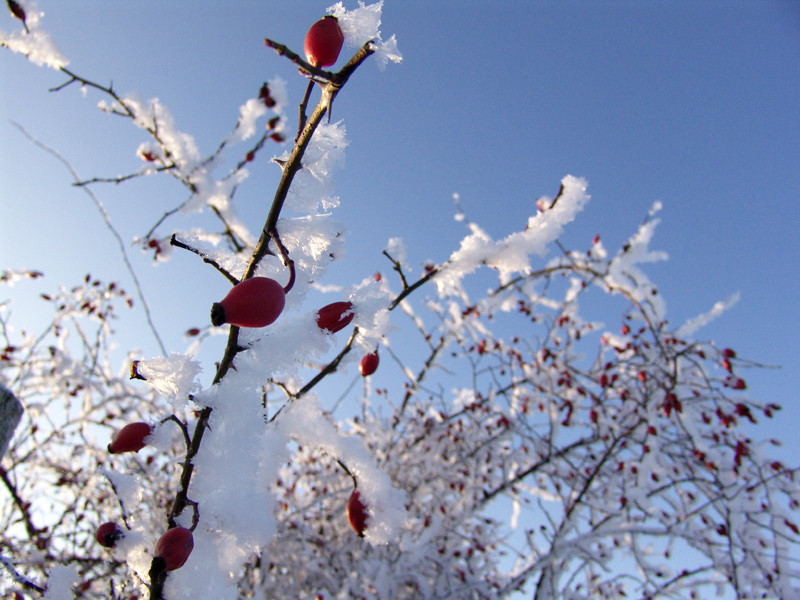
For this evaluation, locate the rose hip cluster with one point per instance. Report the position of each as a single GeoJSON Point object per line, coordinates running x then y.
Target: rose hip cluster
{"type": "Point", "coordinates": [254, 302]}
{"type": "Point", "coordinates": [174, 547]}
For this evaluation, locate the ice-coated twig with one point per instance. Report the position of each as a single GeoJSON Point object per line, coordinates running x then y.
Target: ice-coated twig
{"type": "Point", "coordinates": [17, 577]}
{"type": "Point", "coordinates": [174, 241]}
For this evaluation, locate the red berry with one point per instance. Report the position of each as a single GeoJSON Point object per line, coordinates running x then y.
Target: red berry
{"type": "Point", "coordinates": [323, 42]}
{"type": "Point", "coordinates": [254, 302]}
{"type": "Point", "coordinates": [130, 438]}
{"type": "Point", "coordinates": [174, 547]}
{"type": "Point", "coordinates": [369, 364]}
{"type": "Point", "coordinates": [357, 513]}
{"type": "Point", "coordinates": [108, 534]}
{"type": "Point", "coordinates": [335, 317]}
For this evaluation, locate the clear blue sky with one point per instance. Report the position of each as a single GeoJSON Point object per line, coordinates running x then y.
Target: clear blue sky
{"type": "Point", "coordinates": [694, 104]}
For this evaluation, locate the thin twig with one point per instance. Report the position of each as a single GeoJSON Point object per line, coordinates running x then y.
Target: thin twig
{"type": "Point", "coordinates": [20, 579]}
{"type": "Point", "coordinates": [301, 121]}
{"type": "Point", "coordinates": [288, 262]}
{"type": "Point", "coordinates": [174, 241]}
{"type": "Point", "coordinates": [397, 267]}
{"type": "Point", "coordinates": [107, 220]}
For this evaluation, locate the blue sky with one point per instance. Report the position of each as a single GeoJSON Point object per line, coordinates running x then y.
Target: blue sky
{"type": "Point", "coordinates": [694, 104]}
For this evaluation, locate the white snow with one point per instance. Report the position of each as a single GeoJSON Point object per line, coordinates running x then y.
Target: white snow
{"type": "Point", "coordinates": [511, 255]}
{"type": "Point", "coordinates": [174, 377]}
{"type": "Point", "coordinates": [313, 185]}
{"type": "Point", "coordinates": [60, 583]}
{"type": "Point", "coordinates": [695, 323]}
{"type": "Point", "coordinates": [35, 44]}
{"type": "Point", "coordinates": [249, 113]}
{"type": "Point", "coordinates": [127, 488]}
{"type": "Point", "coordinates": [305, 422]}
{"type": "Point", "coordinates": [363, 24]}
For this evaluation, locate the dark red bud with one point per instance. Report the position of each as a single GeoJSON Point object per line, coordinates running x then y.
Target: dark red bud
{"type": "Point", "coordinates": [16, 10]}
{"type": "Point", "coordinates": [265, 96]}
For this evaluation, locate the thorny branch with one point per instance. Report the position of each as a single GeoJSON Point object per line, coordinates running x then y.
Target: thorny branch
{"type": "Point", "coordinates": [330, 83]}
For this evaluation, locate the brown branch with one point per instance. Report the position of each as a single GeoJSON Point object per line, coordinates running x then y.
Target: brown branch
{"type": "Point", "coordinates": [397, 267]}
{"type": "Point", "coordinates": [33, 531]}
{"type": "Point", "coordinates": [324, 372]}
{"type": "Point", "coordinates": [301, 121]}
{"type": "Point", "coordinates": [290, 168]}
{"type": "Point", "coordinates": [288, 262]}
{"type": "Point", "coordinates": [409, 289]}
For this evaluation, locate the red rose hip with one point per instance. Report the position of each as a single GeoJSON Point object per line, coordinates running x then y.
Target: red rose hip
{"type": "Point", "coordinates": [323, 42]}
{"type": "Point", "coordinates": [369, 364]}
{"type": "Point", "coordinates": [130, 438]}
{"type": "Point", "coordinates": [357, 513]}
{"type": "Point", "coordinates": [254, 302]}
{"type": "Point", "coordinates": [335, 317]}
{"type": "Point", "coordinates": [108, 534]}
{"type": "Point", "coordinates": [174, 547]}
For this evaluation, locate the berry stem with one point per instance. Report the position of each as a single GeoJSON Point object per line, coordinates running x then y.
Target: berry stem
{"type": "Point", "coordinates": [288, 262]}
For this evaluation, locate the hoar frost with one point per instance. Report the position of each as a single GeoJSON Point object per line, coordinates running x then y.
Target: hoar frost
{"type": "Point", "coordinates": [174, 377]}
{"type": "Point", "coordinates": [36, 45]}
{"type": "Point", "coordinates": [511, 255]}
{"type": "Point", "coordinates": [363, 24]}
{"type": "Point", "coordinates": [313, 184]}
